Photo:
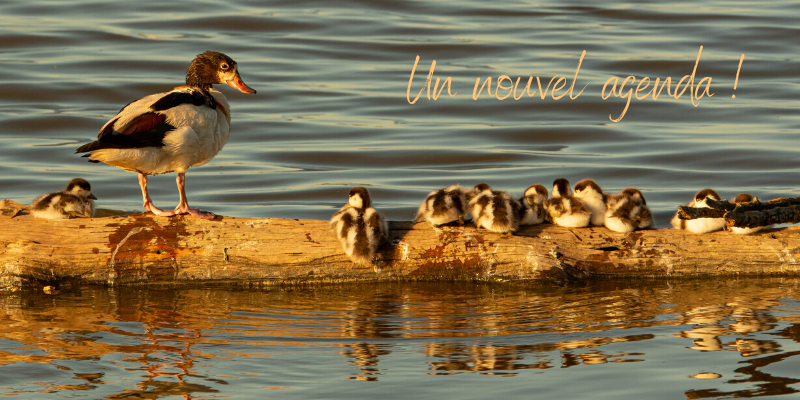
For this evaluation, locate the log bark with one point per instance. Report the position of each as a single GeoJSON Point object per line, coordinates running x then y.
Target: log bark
{"type": "Point", "coordinates": [747, 215]}
{"type": "Point", "coordinates": [183, 250]}
{"type": "Point", "coordinates": [686, 212]}
{"type": "Point", "coordinates": [772, 216]}
{"type": "Point", "coordinates": [756, 205]}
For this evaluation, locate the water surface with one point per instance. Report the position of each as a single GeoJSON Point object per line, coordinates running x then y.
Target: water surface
{"type": "Point", "coordinates": [665, 340]}
{"type": "Point", "coordinates": [331, 111]}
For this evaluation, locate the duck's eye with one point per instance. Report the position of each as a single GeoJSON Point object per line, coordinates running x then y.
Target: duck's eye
{"type": "Point", "coordinates": [224, 66]}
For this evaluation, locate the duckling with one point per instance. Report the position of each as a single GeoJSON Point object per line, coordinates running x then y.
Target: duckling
{"type": "Point", "coordinates": [590, 193]}
{"type": "Point", "coordinates": [444, 205]}
{"type": "Point", "coordinates": [566, 210]}
{"type": "Point", "coordinates": [532, 210]}
{"type": "Point", "coordinates": [495, 210]}
{"type": "Point", "coordinates": [746, 198]}
{"type": "Point", "coordinates": [627, 211]}
{"type": "Point", "coordinates": [75, 201]}
{"type": "Point", "coordinates": [644, 219]}
{"type": "Point", "coordinates": [700, 225]}
{"type": "Point", "coordinates": [359, 227]}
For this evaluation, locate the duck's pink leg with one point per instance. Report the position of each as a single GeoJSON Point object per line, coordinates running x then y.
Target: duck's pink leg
{"type": "Point", "coordinates": [148, 203]}
{"type": "Point", "coordinates": [183, 207]}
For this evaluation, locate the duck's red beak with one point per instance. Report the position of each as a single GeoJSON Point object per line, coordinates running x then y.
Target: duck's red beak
{"type": "Point", "coordinates": [238, 83]}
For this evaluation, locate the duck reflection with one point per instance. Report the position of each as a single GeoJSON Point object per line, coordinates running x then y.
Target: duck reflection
{"type": "Point", "coordinates": [490, 359]}
{"type": "Point", "coordinates": [365, 357]}
{"type": "Point", "coordinates": [369, 317]}
{"type": "Point", "coordinates": [155, 319]}
{"type": "Point", "coordinates": [710, 324]}
{"type": "Point", "coordinates": [483, 358]}
{"type": "Point", "coordinates": [147, 327]}
{"type": "Point", "coordinates": [721, 327]}
{"type": "Point", "coordinates": [174, 342]}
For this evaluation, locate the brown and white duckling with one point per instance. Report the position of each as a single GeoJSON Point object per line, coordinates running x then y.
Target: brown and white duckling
{"type": "Point", "coordinates": [359, 227]}
{"type": "Point", "coordinates": [566, 210]}
{"type": "Point", "coordinates": [532, 210]}
{"type": "Point", "coordinates": [746, 198]}
{"type": "Point", "coordinates": [172, 131]}
{"type": "Point", "coordinates": [495, 210]}
{"type": "Point", "coordinates": [75, 201]}
{"type": "Point", "coordinates": [627, 211]}
{"type": "Point", "coordinates": [444, 205]}
{"type": "Point", "coordinates": [700, 225]}
{"type": "Point", "coordinates": [593, 197]}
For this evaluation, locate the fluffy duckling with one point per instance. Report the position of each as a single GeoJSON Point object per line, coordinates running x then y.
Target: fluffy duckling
{"type": "Point", "coordinates": [495, 210]}
{"type": "Point", "coordinates": [593, 197]}
{"type": "Point", "coordinates": [532, 210]}
{"type": "Point", "coordinates": [700, 225]}
{"type": "Point", "coordinates": [75, 201]}
{"type": "Point", "coordinates": [566, 210]}
{"type": "Point", "coordinates": [359, 227]}
{"type": "Point", "coordinates": [444, 205]}
{"type": "Point", "coordinates": [746, 198]}
{"type": "Point", "coordinates": [172, 131]}
{"type": "Point", "coordinates": [627, 211]}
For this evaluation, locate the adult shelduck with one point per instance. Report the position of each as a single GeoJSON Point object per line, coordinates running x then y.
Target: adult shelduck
{"type": "Point", "coordinates": [172, 131]}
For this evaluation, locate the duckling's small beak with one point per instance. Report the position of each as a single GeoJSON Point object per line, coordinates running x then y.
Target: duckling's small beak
{"type": "Point", "coordinates": [237, 83]}
{"type": "Point", "coordinates": [91, 196]}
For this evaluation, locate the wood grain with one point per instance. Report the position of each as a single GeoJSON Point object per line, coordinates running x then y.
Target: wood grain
{"type": "Point", "coordinates": [183, 250]}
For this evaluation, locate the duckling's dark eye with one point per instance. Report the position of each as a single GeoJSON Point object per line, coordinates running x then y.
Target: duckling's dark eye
{"type": "Point", "coordinates": [224, 66]}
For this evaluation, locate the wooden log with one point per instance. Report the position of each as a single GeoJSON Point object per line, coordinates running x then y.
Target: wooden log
{"type": "Point", "coordinates": [757, 205]}
{"type": "Point", "coordinates": [715, 209]}
{"type": "Point", "coordinates": [686, 212]}
{"type": "Point", "coordinates": [747, 215]}
{"type": "Point", "coordinates": [772, 216]}
{"type": "Point", "coordinates": [147, 249]}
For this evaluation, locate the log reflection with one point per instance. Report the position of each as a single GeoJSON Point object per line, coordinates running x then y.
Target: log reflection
{"type": "Point", "coordinates": [168, 341]}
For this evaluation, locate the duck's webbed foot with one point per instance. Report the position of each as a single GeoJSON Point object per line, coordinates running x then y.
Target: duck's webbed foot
{"type": "Point", "coordinates": [157, 211]}
{"type": "Point", "coordinates": [194, 211]}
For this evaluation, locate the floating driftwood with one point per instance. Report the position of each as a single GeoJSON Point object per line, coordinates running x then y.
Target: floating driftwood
{"type": "Point", "coordinates": [747, 215]}
{"type": "Point", "coordinates": [146, 249]}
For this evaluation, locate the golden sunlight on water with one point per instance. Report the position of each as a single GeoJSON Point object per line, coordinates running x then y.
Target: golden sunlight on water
{"type": "Point", "coordinates": [331, 113]}
{"type": "Point", "coordinates": [150, 342]}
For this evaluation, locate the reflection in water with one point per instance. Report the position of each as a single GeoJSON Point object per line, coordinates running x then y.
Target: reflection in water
{"type": "Point", "coordinates": [154, 342]}
{"type": "Point", "coordinates": [709, 325]}
{"type": "Point", "coordinates": [495, 360]}
{"type": "Point", "coordinates": [365, 356]}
